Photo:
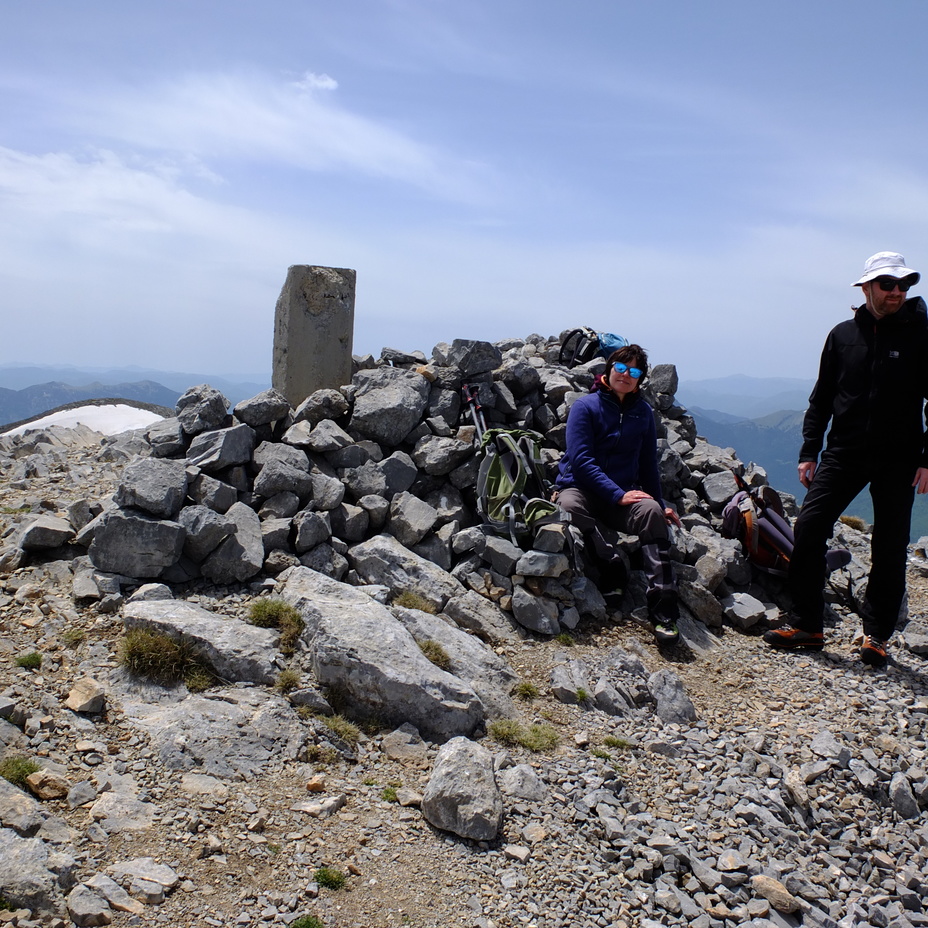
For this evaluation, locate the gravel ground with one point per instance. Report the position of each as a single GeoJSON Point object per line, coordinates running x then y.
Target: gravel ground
{"type": "Point", "coordinates": [641, 822]}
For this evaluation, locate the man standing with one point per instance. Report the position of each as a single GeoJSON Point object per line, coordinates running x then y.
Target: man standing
{"type": "Point", "coordinates": [872, 385]}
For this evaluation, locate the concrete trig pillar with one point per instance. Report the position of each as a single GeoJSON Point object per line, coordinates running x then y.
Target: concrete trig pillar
{"type": "Point", "coordinates": [313, 328]}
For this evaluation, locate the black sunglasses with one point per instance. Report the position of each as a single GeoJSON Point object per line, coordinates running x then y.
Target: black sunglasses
{"type": "Point", "coordinates": [888, 284]}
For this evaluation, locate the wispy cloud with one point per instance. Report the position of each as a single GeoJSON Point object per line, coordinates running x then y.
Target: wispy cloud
{"type": "Point", "coordinates": [254, 117]}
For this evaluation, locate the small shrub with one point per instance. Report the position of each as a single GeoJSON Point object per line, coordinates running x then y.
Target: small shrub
{"type": "Point", "coordinates": [330, 878]}
{"type": "Point", "coordinates": [347, 731]}
{"type": "Point", "coordinates": [30, 661]}
{"type": "Point", "coordinates": [854, 522]}
{"type": "Point", "coordinates": [611, 741]}
{"type": "Point", "coordinates": [287, 680]}
{"type": "Point", "coordinates": [307, 921]}
{"type": "Point", "coordinates": [537, 737]}
{"type": "Point", "coordinates": [505, 731]}
{"type": "Point", "coordinates": [323, 756]}
{"type": "Point", "coordinates": [274, 849]}
{"type": "Point", "coordinates": [275, 613]}
{"type": "Point", "coordinates": [368, 781]}
{"type": "Point", "coordinates": [73, 637]}
{"type": "Point", "coordinates": [410, 600]}
{"type": "Point", "coordinates": [6, 905]}
{"type": "Point", "coordinates": [540, 737]}
{"type": "Point", "coordinates": [582, 694]}
{"type": "Point", "coordinates": [197, 679]}
{"type": "Point", "coordinates": [159, 658]}
{"type": "Point", "coordinates": [565, 639]}
{"type": "Point", "coordinates": [435, 653]}
{"type": "Point", "coordinates": [389, 794]}
{"type": "Point", "coordinates": [17, 768]}
{"type": "Point", "coordinates": [526, 690]}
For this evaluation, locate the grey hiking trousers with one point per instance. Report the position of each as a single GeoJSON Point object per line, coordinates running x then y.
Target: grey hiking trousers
{"type": "Point", "coordinates": [644, 519]}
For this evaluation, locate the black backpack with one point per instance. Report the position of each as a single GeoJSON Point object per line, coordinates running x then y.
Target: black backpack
{"type": "Point", "coordinates": [583, 344]}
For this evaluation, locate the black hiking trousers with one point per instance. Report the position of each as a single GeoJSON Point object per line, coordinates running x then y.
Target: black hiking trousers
{"type": "Point", "coordinates": [835, 484]}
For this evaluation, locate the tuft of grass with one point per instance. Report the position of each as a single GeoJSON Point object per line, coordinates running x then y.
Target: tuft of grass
{"type": "Point", "coordinates": [526, 690]}
{"type": "Point", "coordinates": [339, 725]}
{"type": "Point", "coordinates": [17, 768]}
{"type": "Point", "coordinates": [622, 744]}
{"type": "Point", "coordinates": [287, 680]}
{"type": "Point", "coordinates": [198, 678]}
{"type": "Point", "coordinates": [330, 878]}
{"type": "Point", "coordinates": [275, 613]}
{"type": "Point", "coordinates": [389, 794]}
{"type": "Point", "coordinates": [14, 510]}
{"type": "Point", "coordinates": [307, 921]}
{"type": "Point", "coordinates": [582, 694]}
{"type": "Point", "coordinates": [6, 905]}
{"type": "Point", "coordinates": [317, 754]}
{"type": "Point", "coordinates": [72, 637]}
{"type": "Point", "coordinates": [435, 653]}
{"type": "Point", "coordinates": [536, 737]}
{"type": "Point", "coordinates": [565, 638]}
{"type": "Point", "coordinates": [854, 522]}
{"type": "Point", "coordinates": [410, 600]}
{"type": "Point", "coordinates": [30, 661]}
{"type": "Point", "coordinates": [159, 658]}
{"type": "Point", "coordinates": [601, 754]}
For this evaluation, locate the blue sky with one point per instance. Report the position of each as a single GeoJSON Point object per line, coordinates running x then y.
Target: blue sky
{"type": "Point", "coordinates": [705, 178]}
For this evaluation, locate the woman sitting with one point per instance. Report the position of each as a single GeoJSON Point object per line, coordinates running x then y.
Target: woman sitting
{"type": "Point", "coordinates": [609, 472]}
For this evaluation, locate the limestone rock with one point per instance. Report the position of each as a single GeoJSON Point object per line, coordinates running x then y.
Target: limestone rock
{"type": "Point", "coordinates": [357, 644]}
{"type": "Point", "coordinates": [461, 795]}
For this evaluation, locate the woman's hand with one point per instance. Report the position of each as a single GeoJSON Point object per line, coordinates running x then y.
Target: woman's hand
{"type": "Point", "coordinates": [634, 496]}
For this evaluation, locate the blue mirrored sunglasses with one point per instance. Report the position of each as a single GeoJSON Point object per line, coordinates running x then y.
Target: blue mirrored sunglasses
{"type": "Point", "coordinates": [633, 372]}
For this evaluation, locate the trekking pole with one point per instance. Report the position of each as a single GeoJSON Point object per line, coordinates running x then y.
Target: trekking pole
{"type": "Point", "coordinates": [476, 410]}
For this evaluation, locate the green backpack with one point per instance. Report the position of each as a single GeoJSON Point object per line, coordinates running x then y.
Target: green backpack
{"type": "Point", "coordinates": [512, 491]}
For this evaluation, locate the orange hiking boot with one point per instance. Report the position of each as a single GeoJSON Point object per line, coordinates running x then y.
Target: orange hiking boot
{"type": "Point", "coordinates": [873, 651]}
{"type": "Point", "coordinates": [787, 638]}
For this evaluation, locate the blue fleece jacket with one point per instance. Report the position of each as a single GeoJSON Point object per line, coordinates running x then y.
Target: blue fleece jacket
{"type": "Point", "coordinates": [611, 447]}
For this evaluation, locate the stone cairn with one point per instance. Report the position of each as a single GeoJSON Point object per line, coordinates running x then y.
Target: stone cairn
{"type": "Point", "coordinates": [373, 484]}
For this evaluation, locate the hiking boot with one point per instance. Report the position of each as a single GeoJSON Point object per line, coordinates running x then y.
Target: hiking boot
{"type": "Point", "coordinates": [873, 651]}
{"type": "Point", "coordinates": [787, 638]}
{"type": "Point", "coordinates": [665, 631]}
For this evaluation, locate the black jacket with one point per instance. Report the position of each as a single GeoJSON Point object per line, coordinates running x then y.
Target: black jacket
{"type": "Point", "coordinates": [872, 385]}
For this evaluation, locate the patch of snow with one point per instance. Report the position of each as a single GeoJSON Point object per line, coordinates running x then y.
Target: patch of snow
{"type": "Point", "coordinates": [109, 420]}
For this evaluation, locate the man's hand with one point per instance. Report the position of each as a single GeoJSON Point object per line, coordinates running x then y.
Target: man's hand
{"type": "Point", "coordinates": [921, 480]}
{"type": "Point", "coordinates": [807, 472]}
{"type": "Point", "coordinates": [634, 496]}
{"type": "Point", "coordinates": [672, 518]}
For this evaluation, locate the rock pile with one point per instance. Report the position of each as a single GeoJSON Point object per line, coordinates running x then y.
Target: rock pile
{"type": "Point", "coordinates": [373, 484]}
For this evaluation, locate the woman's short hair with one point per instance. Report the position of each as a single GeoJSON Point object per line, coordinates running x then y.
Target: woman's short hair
{"type": "Point", "coordinates": [632, 355]}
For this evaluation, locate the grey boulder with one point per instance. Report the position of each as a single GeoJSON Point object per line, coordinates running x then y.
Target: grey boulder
{"type": "Point", "coordinates": [357, 645]}
{"type": "Point", "coordinates": [462, 796]}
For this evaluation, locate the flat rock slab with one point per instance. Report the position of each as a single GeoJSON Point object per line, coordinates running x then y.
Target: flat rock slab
{"type": "Point", "coordinates": [359, 646]}
{"type": "Point", "coordinates": [231, 733]}
{"type": "Point", "coordinates": [237, 651]}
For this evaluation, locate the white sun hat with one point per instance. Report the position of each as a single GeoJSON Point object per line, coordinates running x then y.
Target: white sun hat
{"type": "Point", "coordinates": [886, 264]}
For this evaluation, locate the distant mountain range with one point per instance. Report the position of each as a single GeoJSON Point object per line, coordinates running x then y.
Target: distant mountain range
{"type": "Point", "coordinates": [30, 390]}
